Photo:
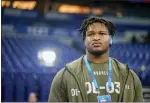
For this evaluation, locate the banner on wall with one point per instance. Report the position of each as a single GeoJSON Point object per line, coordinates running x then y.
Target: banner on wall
{"type": "Point", "coordinates": [20, 13]}
{"type": "Point", "coordinates": [47, 31]}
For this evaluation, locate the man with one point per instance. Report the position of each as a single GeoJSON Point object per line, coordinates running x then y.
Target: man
{"type": "Point", "coordinates": [96, 77]}
{"type": "Point", "coordinates": [32, 97]}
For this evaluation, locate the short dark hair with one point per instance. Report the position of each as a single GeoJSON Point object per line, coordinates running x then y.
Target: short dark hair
{"type": "Point", "coordinates": [89, 21]}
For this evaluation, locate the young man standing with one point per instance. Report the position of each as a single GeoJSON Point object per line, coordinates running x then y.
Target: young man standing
{"type": "Point", "coordinates": [96, 77]}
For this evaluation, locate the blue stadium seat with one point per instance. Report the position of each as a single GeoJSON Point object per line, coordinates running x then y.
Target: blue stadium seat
{"type": "Point", "coordinates": [31, 83]}
{"type": "Point", "coordinates": [45, 83]}
{"type": "Point", "coordinates": [20, 87]}
{"type": "Point", "coordinates": [9, 87]}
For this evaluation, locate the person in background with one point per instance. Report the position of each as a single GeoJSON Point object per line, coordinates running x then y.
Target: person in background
{"type": "Point", "coordinates": [32, 97]}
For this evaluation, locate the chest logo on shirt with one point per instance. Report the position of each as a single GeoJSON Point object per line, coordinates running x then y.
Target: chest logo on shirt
{"type": "Point", "coordinates": [115, 88]}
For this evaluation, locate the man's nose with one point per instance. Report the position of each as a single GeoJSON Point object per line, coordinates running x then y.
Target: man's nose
{"type": "Point", "coordinates": [96, 37]}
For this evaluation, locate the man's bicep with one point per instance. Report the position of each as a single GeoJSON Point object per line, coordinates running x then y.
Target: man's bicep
{"type": "Point", "coordinates": [57, 91]}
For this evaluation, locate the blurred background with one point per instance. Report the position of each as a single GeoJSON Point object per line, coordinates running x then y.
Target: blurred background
{"type": "Point", "coordinates": [40, 36]}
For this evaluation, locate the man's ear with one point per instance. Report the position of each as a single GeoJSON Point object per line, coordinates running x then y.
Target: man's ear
{"type": "Point", "coordinates": [111, 41]}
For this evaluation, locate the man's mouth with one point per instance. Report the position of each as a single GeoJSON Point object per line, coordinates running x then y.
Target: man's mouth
{"type": "Point", "coordinates": [96, 44]}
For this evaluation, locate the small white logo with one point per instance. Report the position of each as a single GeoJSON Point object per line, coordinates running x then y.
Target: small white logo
{"type": "Point", "coordinates": [127, 86]}
{"type": "Point", "coordinates": [75, 92]}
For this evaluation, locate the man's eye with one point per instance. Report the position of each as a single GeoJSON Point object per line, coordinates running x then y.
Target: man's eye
{"type": "Point", "coordinates": [90, 34]}
{"type": "Point", "coordinates": [103, 34]}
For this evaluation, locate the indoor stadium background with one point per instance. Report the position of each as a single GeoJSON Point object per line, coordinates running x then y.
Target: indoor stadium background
{"type": "Point", "coordinates": [40, 37]}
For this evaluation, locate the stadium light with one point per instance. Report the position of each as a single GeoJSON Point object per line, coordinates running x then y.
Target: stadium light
{"type": "Point", "coordinates": [47, 57]}
{"type": "Point", "coordinates": [73, 9]}
{"type": "Point", "coordinates": [25, 5]}
{"type": "Point", "coordinates": [5, 3]}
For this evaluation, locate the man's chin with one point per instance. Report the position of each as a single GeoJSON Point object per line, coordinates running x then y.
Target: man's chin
{"type": "Point", "coordinates": [96, 52]}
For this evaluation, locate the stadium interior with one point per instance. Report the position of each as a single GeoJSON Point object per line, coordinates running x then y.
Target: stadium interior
{"type": "Point", "coordinates": [40, 36]}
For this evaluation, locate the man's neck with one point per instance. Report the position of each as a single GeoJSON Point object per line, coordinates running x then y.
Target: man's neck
{"type": "Point", "coordinates": [98, 59]}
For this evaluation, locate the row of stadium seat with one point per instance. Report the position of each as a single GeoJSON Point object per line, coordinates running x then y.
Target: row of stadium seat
{"type": "Point", "coordinates": [17, 86]}
{"type": "Point", "coordinates": [22, 55]}
{"type": "Point", "coordinates": [25, 53]}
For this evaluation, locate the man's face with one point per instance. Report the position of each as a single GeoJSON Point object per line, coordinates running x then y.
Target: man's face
{"type": "Point", "coordinates": [97, 39]}
{"type": "Point", "coordinates": [32, 97]}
